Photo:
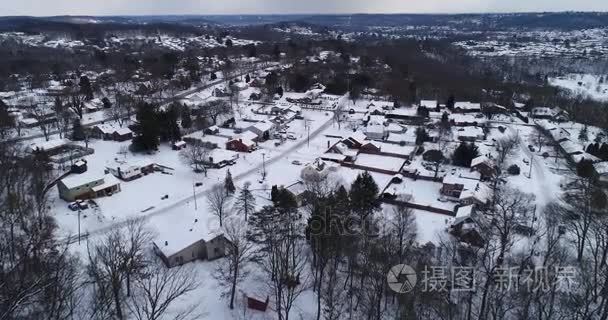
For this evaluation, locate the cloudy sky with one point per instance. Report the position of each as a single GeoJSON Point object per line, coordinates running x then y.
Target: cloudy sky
{"type": "Point", "coordinates": [145, 7]}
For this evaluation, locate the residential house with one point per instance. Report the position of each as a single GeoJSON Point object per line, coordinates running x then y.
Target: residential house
{"type": "Point", "coordinates": [192, 243]}
{"type": "Point", "coordinates": [465, 190]}
{"type": "Point", "coordinates": [87, 185]}
{"type": "Point", "coordinates": [601, 172]}
{"type": "Point", "coordinates": [343, 151]}
{"type": "Point", "coordinates": [466, 107]}
{"type": "Point", "coordinates": [178, 145]}
{"type": "Point", "coordinates": [465, 226]}
{"type": "Point", "coordinates": [470, 134]}
{"type": "Point", "coordinates": [241, 144]}
{"type": "Point", "coordinates": [484, 166]}
{"type": "Point", "coordinates": [263, 130]}
{"type": "Point", "coordinates": [219, 158]}
{"type": "Point", "coordinates": [465, 120]}
{"type": "Point", "coordinates": [131, 171]}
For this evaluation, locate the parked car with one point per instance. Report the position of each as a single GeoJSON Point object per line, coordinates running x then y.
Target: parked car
{"type": "Point", "coordinates": [78, 205]}
{"type": "Point", "coordinates": [291, 136]}
{"type": "Point", "coordinates": [531, 147]}
{"type": "Point", "coordinates": [296, 162]}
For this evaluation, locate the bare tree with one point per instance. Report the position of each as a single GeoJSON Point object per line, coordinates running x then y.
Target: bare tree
{"type": "Point", "coordinates": [281, 255]}
{"type": "Point", "coordinates": [505, 148]}
{"type": "Point", "coordinates": [42, 116]}
{"type": "Point", "coordinates": [113, 263]}
{"type": "Point", "coordinates": [76, 104]}
{"type": "Point", "coordinates": [218, 201]}
{"type": "Point", "coordinates": [157, 290]}
{"type": "Point", "coordinates": [245, 201]}
{"type": "Point", "coordinates": [239, 252]}
{"type": "Point", "coordinates": [196, 155]}
{"type": "Point", "coordinates": [216, 108]}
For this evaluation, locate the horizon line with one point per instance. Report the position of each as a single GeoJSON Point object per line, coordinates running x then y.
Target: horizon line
{"type": "Point", "coordinates": [303, 14]}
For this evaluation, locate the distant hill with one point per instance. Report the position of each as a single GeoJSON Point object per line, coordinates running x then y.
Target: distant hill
{"type": "Point", "coordinates": [561, 21]}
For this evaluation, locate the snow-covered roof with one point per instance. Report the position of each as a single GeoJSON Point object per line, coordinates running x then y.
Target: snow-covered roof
{"type": "Point", "coordinates": [77, 180]}
{"type": "Point", "coordinates": [571, 147]}
{"type": "Point", "coordinates": [401, 137]}
{"type": "Point", "coordinates": [184, 233]}
{"type": "Point", "coordinates": [479, 160]}
{"type": "Point", "coordinates": [601, 167]}
{"type": "Point", "coordinates": [263, 126]}
{"type": "Point", "coordinates": [48, 145]}
{"type": "Point", "coordinates": [469, 132]}
{"type": "Point", "coordinates": [467, 105]}
{"type": "Point", "coordinates": [430, 104]}
{"type": "Point", "coordinates": [220, 155]}
{"type": "Point", "coordinates": [480, 192]}
{"type": "Point", "coordinates": [358, 136]}
{"type": "Point", "coordinates": [465, 118]}
{"type": "Point", "coordinates": [108, 181]}
{"type": "Point", "coordinates": [123, 131]}
{"type": "Point", "coordinates": [464, 211]}
{"type": "Point", "coordinates": [105, 128]}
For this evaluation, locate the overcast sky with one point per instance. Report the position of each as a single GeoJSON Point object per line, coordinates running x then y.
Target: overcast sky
{"type": "Point", "coordinates": [146, 7]}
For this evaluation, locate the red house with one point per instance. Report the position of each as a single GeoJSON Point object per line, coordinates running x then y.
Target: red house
{"type": "Point", "coordinates": [240, 145]}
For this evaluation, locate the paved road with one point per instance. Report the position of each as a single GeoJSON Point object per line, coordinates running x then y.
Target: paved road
{"type": "Point", "coordinates": [165, 101]}
{"type": "Point", "coordinates": [180, 202]}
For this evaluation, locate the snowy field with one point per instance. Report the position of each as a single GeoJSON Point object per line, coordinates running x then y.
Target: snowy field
{"type": "Point", "coordinates": [585, 85]}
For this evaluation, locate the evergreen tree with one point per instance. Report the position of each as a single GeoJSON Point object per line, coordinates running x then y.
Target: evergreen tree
{"type": "Point", "coordinates": [77, 131]}
{"type": "Point", "coordinates": [228, 183]}
{"type": "Point", "coordinates": [245, 202]}
{"type": "Point", "coordinates": [421, 136]}
{"type": "Point", "coordinates": [285, 200]}
{"type": "Point", "coordinates": [603, 151]}
{"type": "Point", "coordinates": [464, 154]}
{"type": "Point", "coordinates": [583, 135]}
{"type": "Point", "coordinates": [212, 76]}
{"type": "Point", "coordinates": [274, 193]}
{"type": "Point", "coordinates": [85, 87]}
{"type": "Point", "coordinates": [5, 119]}
{"type": "Point", "coordinates": [186, 118]}
{"type": "Point", "coordinates": [167, 121]}
{"type": "Point", "coordinates": [364, 195]}
{"type": "Point", "coordinates": [147, 129]}
{"type": "Point", "coordinates": [450, 102]}
{"type": "Point", "coordinates": [422, 111]}
{"type": "Point", "coordinates": [585, 168]}
{"type": "Point", "coordinates": [247, 78]}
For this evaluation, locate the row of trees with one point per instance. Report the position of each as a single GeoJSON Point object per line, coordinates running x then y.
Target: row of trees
{"type": "Point", "coordinates": [40, 278]}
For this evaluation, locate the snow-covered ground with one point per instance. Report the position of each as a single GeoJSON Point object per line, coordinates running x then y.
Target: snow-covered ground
{"type": "Point", "coordinates": [585, 85]}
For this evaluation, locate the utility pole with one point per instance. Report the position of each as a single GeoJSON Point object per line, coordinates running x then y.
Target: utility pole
{"type": "Point", "coordinates": [79, 226]}
{"type": "Point", "coordinates": [194, 195]}
{"type": "Point", "coordinates": [531, 163]}
{"type": "Point", "coordinates": [263, 166]}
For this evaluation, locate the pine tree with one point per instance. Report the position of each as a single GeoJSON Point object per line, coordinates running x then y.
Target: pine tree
{"type": "Point", "coordinates": [450, 102]}
{"type": "Point", "coordinates": [583, 135]}
{"type": "Point", "coordinates": [247, 78]}
{"type": "Point", "coordinates": [364, 195]}
{"type": "Point", "coordinates": [186, 118]}
{"type": "Point", "coordinates": [85, 87]}
{"type": "Point", "coordinates": [228, 183]}
{"type": "Point", "coordinates": [77, 131]}
{"type": "Point", "coordinates": [147, 129]}
{"type": "Point", "coordinates": [245, 202]}
{"type": "Point", "coordinates": [464, 154]}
